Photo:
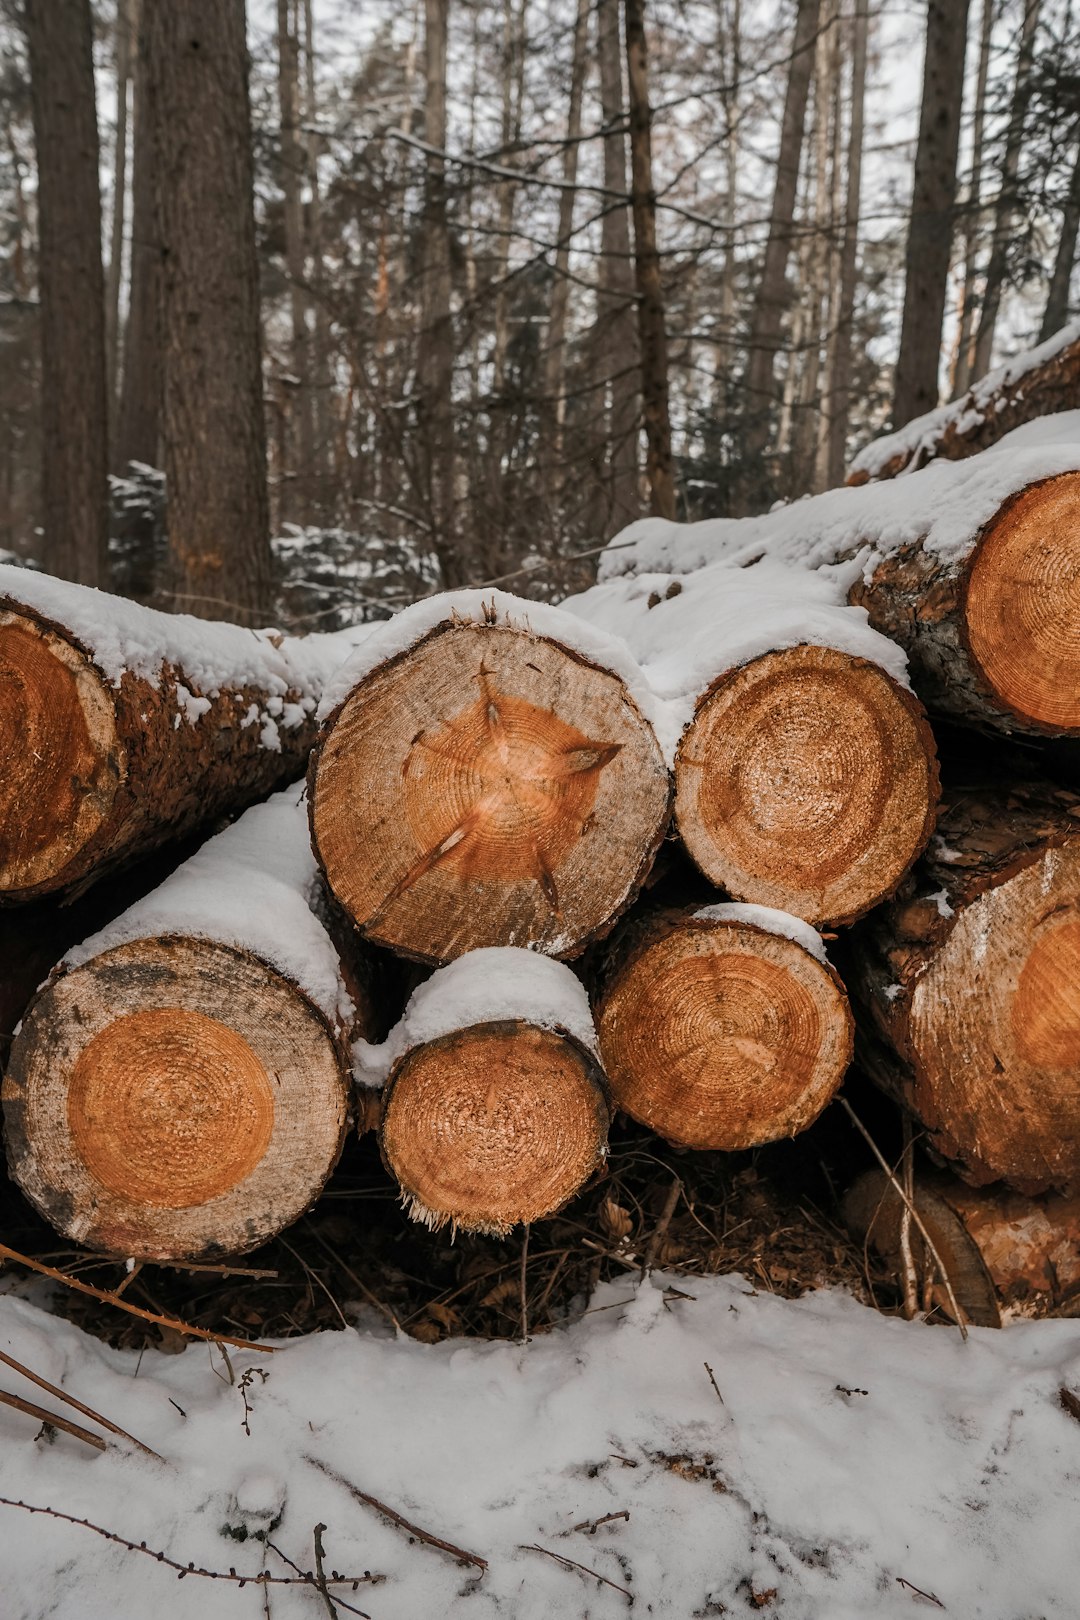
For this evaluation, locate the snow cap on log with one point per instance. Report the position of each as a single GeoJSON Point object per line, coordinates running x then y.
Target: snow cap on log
{"type": "Point", "coordinates": [178, 1087]}
{"type": "Point", "coordinates": [495, 1109]}
{"type": "Point", "coordinates": [723, 1028]}
{"type": "Point", "coordinates": [121, 727]}
{"type": "Point", "coordinates": [487, 773]}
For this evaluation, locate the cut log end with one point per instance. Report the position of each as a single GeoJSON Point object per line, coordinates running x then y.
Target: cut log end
{"type": "Point", "coordinates": [61, 757]}
{"type": "Point", "coordinates": [493, 1126]}
{"type": "Point", "coordinates": [486, 788]}
{"type": "Point", "coordinates": [720, 1035]}
{"type": "Point", "coordinates": [807, 781]}
{"type": "Point", "coordinates": [173, 1099]}
{"type": "Point", "coordinates": [1022, 606]}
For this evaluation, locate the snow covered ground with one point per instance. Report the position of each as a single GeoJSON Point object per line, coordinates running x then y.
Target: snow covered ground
{"type": "Point", "coordinates": [856, 1466]}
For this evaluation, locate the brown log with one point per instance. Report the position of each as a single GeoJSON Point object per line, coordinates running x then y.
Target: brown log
{"type": "Point", "coordinates": [1006, 1255]}
{"type": "Point", "coordinates": [969, 985]}
{"type": "Point", "coordinates": [718, 1033]}
{"type": "Point", "coordinates": [487, 786]}
{"type": "Point", "coordinates": [493, 1125]}
{"type": "Point", "coordinates": [98, 765]}
{"type": "Point", "coordinates": [807, 781]}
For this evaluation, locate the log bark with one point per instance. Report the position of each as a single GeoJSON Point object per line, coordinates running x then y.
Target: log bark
{"type": "Point", "coordinates": [178, 1089]}
{"type": "Point", "coordinates": [486, 786]}
{"type": "Point", "coordinates": [807, 780]}
{"type": "Point", "coordinates": [717, 1033]}
{"type": "Point", "coordinates": [1007, 1256]}
{"type": "Point", "coordinates": [122, 728]}
{"type": "Point", "coordinates": [968, 989]}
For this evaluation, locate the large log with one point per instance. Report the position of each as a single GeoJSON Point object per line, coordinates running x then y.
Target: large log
{"type": "Point", "coordinates": [969, 566]}
{"type": "Point", "coordinates": [724, 1027]}
{"type": "Point", "coordinates": [121, 727]}
{"type": "Point", "coordinates": [494, 1108]}
{"type": "Point", "coordinates": [178, 1088]}
{"type": "Point", "coordinates": [805, 777]}
{"type": "Point", "coordinates": [486, 775]}
{"type": "Point", "coordinates": [969, 985]}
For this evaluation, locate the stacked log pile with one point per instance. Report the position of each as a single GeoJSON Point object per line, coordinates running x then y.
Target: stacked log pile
{"type": "Point", "coordinates": [489, 784]}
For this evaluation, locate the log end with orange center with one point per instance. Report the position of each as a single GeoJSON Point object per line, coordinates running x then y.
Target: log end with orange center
{"type": "Point", "coordinates": [487, 787]}
{"type": "Point", "coordinates": [1021, 606]}
{"type": "Point", "coordinates": [807, 781]}
{"type": "Point", "coordinates": [60, 761]}
{"type": "Point", "coordinates": [717, 1034]}
{"type": "Point", "coordinates": [172, 1099]}
{"type": "Point", "coordinates": [493, 1126]}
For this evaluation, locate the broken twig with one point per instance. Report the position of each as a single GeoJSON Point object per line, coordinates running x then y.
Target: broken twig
{"type": "Point", "coordinates": [396, 1518]}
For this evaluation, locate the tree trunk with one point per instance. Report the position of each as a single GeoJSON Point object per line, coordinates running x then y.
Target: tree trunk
{"type": "Point", "coordinates": [555, 358]}
{"type": "Point", "coordinates": [1006, 203]}
{"type": "Point", "coordinates": [125, 26]}
{"type": "Point", "coordinates": [140, 395]}
{"type": "Point", "coordinates": [618, 349]}
{"type": "Point", "coordinates": [494, 1120]}
{"type": "Point", "coordinates": [72, 291]}
{"type": "Point", "coordinates": [293, 163]}
{"type": "Point", "coordinates": [652, 326]}
{"type": "Point", "coordinates": [513, 793]}
{"type": "Point", "coordinates": [771, 299]}
{"type": "Point", "coordinates": [720, 1033]}
{"type": "Point", "coordinates": [1056, 312]}
{"type": "Point", "coordinates": [814, 292]}
{"type": "Point", "coordinates": [969, 304]}
{"type": "Point", "coordinates": [930, 233]}
{"type": "Point", "coordinates": [122, 727]}
{"type": "Point", "coordinates": [513, 95]}
{"type": "Point", "coordinates": [321, 378]}
{"type": "Point", "coordinates": [179, 1087]}
{"type": "Point", "coordinates": [968, 981]}
{"type": "Point", "coordinates": [840, 398]}
{"type": "Point", "coordinates": [212, 418]}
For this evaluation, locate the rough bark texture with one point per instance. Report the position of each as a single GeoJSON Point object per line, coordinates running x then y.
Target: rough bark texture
{"type": "Point", "coordinates": [840, 394]}
{"type": "Point", "coordinates": [969, 303]}
{"type": "Point", "coordinates": [487, 787]}
{"type": "Point", "coordinates": [174, 1099]}
{"type": "Point", "coordinates": [930, 233]}
{"type": "Point", "coordinates": [993, 640]}
{"type": "Point", "coordinates": [215, 438]}
{"type": "Point", "coordinates": [140, 393]}
{"type": "Point", "coordinates": [807, 781]}
{"type": "Point", "coordinates": [617, 327]}
{"type": "Point", "coordinates": [71, 289]}
{"type": "Point", "coordinates": [968, 984]}
{"type": "Point", "coordinates": [494, 1125]}
{"type": "Point", "coordinates": [93, 773]}
{"type": "Point", "coordinates": [717, 1034]}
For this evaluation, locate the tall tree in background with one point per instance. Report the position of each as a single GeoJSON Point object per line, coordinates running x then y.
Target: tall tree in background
{"type": "Point", "coordinates": [72, 290]}
{"type": "Point", "coordinates": [965, 353]}
{"type": "Point", "coordinates": [293, 163]}
{"type": "Point", "coordinates": [930, 234]}
{"type": "Point", "coordinates": [617, 346]}
{"type": "Point", "coordinates": [140, 391]}
{"type": "Point", "coordinates": [839, 404]}
{"type": "Point", "coordinates": [652, 324]}
{"type": "Point", "coordinates": [1056, 312]}
{"type": "Point", "coordinates": [555, 357]}
{"type": "Point", "coordinates": [212, 414]}
{"type": "Point", "coordinates": [124, 30]}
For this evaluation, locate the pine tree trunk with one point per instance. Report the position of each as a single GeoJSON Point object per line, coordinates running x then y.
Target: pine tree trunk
{"type": "Point", "coordinates": [973, 207]}
{"type": "Point", "coordinates": [125, 25]}
{"type": "Point", "coordinates": [293, 163]}
{"type": "Point", "coordinates": [618, 349]}
{"type": "Point", "coordinates": [840, 396]}
{"type": "Point", "coordinates": [321, 378]}
{"type": "Point", "coordinates": [71, 289]}
{"type": "Point", "coordinates": [212, 416]}
{"type": "Point", "coordinates": [140, 394]}
{"type": "Point", "coordinates": [930, 233]}
{"type": "Point", "coordinates": [555, 358]}
{"type": "Point", "coordinates": [1056, 312]}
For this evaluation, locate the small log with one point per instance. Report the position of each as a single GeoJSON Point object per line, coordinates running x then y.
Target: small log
{"type": "Point", "coordinates": [717, 1030]}
{"type": "Point", "coordinates": [486, 785]}
{"type": "Point", "coordinates": [178, 1089]}
{"type": "Point", "coordinates": [1007, 1255]}
{"type": "Point", "coordinates": [121, 727]}
{"type": "Point", "coordinates": [968, 989]}
{"type": "Point", "coordinates": [503, 1119]}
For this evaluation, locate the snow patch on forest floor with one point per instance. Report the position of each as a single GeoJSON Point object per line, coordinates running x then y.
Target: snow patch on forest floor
{"type": "Point", "coordinates": [839, 1455]}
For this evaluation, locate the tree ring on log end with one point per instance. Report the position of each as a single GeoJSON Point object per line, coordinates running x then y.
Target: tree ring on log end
{"type": "Point", "coordinates": [807, 781]}
{"type": "Point", "coordinates": [487, 787]}
{"type": "Point", "coordinates": [994, 1031]}
{"type": "Point", "coordinates": [173, 1098]}
{"type": "Point", "coordinates": [1021, 606]}
{"type": "Point", "coordinates": [718, 1034]}
{"type": "Point", "coordinates": [493, 1125]}
{"type": "Point", "coordinates": [60, 760]}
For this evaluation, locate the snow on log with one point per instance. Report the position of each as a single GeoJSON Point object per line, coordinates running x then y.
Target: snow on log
{"type": "Point", "coordinates": [121, 727]}
{"type": "Point", "coordinates": [806, 776]}
{"type": "Point", "coordinates": [1006, 1255]}
{"type": "Point", "coordinates": [969, 984]}
{"type": "Point", "coordinates": [179, 1085]}
{"type": "Point", "coordinates": [495, 1109]}
{"type": "Point", "coordinates": [487, 774]}
{"type": "Point", "coordinates": [724, 1027]}
{"type": "Point", "coordinates": [1037, 383]}
{"type": "Point", "coordinates": [969, 565]}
